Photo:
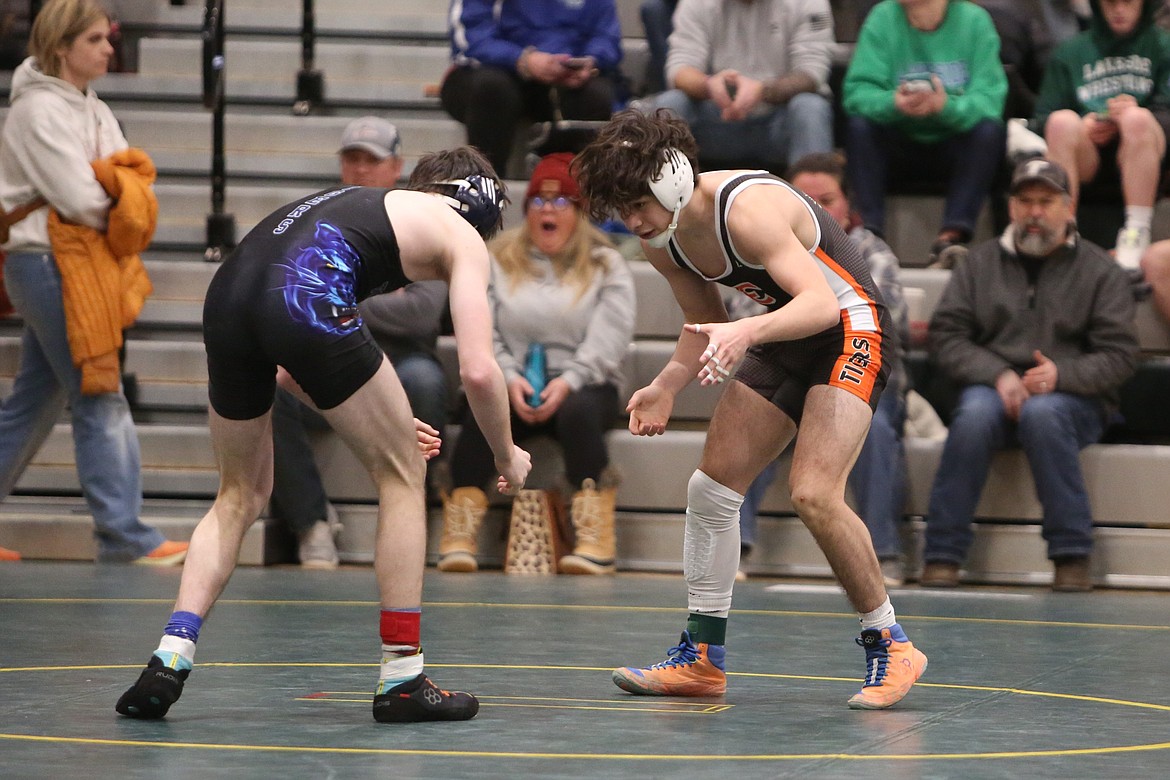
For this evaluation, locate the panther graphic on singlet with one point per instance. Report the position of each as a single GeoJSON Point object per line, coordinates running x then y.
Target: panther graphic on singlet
{"type": "Point", "coordinates": [288, 295]}
{"type": "Point", "coordinates": [319, 286]}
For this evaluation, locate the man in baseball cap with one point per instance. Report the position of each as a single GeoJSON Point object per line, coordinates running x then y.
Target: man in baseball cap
{"type": "Point", "coordinates": [371, 153]}
{"type": "Point", "coordinates": [1039, 171]}
{"type": "Point", "coordinates": [1040, 207]}
{"type": "Point", "coordinates": [1036, 328]}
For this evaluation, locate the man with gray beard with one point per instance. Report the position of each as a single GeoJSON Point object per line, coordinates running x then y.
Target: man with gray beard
{"type": "Point", "coordinates": [1036, 330]}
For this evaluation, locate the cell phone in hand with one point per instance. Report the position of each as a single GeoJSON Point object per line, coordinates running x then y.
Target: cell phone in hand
{"type": "Point", "coordinates": [918, 85]}
{"type": "Point", "coordinates": [577, 63]}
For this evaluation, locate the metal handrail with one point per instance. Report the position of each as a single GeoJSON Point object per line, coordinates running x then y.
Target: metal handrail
{"type": "Point", "coordinates": [221, 226]}
{"type": "Point", "coordinates": [310, 81]}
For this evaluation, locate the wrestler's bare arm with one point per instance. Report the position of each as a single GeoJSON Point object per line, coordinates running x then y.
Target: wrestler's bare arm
{"type": "Point", "coordinates": [700, 302]}
{"type": "Point", "coordinates": [780, 245]}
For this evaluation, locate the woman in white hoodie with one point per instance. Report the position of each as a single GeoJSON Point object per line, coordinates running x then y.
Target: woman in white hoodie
{"type": "Point", "coordinates": [55, 128]}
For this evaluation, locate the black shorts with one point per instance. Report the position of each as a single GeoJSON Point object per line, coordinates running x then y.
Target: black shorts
{"type": "Point", "coordinates": [254, 319]}
{"type": "Point", "coordinates": [783, 371]}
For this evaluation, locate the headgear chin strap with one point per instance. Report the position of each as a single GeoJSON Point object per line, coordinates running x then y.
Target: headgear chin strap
{"type": "Point", "coordinates": [672, 187]}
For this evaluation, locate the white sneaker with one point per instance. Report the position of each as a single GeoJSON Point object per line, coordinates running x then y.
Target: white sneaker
{"type": "Point", "coordinates": [318, 548]}
{"type": "Point", "coordinates": [892, 573]}
{"type": "Point", "coordinates": [1022, 143]}
{"type": "Point", "coordinates": [1131, 245]}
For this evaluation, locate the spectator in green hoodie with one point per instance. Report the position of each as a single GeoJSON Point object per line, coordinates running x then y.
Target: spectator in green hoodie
{"type": "Point", "coordinates": [924, 94]}
{"type": "Point", "coordinates": [1104, 109]}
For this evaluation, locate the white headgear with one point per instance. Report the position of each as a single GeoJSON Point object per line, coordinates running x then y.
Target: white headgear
{"type": "Point", "coordinates": [672, 187]}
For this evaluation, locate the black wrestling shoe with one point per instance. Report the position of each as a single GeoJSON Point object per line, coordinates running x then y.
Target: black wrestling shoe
{"type": "Point", "coordinates": [158, 687]}
{"type": "Point", "coordinates": [418, 700]}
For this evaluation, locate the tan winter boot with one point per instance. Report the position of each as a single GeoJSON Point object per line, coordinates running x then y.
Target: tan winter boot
{"type": "Point", "coordinates": [592, 515]}
{"type": "Point", "coordinates": [463, 511]}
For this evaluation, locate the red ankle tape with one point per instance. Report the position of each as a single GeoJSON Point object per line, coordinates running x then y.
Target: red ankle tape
{"type": "Point", "coordinates": [400, 626]}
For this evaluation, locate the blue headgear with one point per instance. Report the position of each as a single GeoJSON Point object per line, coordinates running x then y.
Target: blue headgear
{"type": "Point", "coordinates": [478, 200]}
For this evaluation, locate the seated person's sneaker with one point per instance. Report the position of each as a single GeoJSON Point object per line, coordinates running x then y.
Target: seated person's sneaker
{"type": "Point", "coordinates": [893, 572]}
{"type": "Point", "coordinates": [949, 248]}
{"type": "Point", "coordinates": [166, 554]}
{"type": "Point", "coordinates": [689, 670]}
{"type": "Point", "coordinates": [1132, 243]}
{"type": "Point", "coordinates": [892, 666]}
{"type": "Point", "coordinates": [419, 699]}
{"type": "Point", "coordinates": [1072, 574]}
{"type": "Point", "coordinates": [939, 574]}
{"type": "Point", "coordinates": [158, 687]}
{"type": "Point", "coordinates": [317, 548]}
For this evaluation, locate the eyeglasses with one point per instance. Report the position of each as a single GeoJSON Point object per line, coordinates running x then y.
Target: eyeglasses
{"type": "Point", "coordinates": [560, 203]}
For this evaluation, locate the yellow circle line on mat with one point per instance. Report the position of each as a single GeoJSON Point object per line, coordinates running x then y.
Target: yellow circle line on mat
{"type": "Point", "coordinates": [607, 756]}
{"type": "Point", "coordinates": [559, 668]}
{"type": "Point", "coordinates": [599, 607]}
{"type": "Point", "coordinates": [591, 756]}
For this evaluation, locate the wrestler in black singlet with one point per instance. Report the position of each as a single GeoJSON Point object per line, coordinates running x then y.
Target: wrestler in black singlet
{"type": "Point", "coordinates": [288, 296]}
{"type": "Point", "coordinates": [847, 355]}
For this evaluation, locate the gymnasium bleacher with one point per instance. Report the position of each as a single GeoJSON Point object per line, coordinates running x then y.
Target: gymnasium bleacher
{"type": "Point", "coordinates": [380, 57]}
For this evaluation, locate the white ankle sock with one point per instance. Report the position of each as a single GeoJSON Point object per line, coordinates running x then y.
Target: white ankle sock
{"type": "Point", "coordinates": [1139, 217]}
{"type": "Point", "coordinates": [397, 668]}
{"type": "Point", "coordinates": [882, 617]}
{"type": "Point", "coordinates": [176, 652]}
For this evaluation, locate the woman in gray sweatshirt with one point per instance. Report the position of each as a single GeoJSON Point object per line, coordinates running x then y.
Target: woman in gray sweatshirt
{"type": "Point", "coordinates": [564, 309]}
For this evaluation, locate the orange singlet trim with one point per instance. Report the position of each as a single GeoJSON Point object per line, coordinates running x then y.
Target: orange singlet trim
{"type": "Point", "coordinates": [847, 277]}
{"type": "Point", "coordinates": [861, 360]}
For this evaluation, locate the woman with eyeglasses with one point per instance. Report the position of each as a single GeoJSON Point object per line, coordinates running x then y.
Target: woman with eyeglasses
{"type": "Point", "coordinates": [559, 289]}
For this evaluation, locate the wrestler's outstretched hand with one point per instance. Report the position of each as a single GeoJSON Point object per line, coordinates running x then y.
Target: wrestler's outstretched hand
{"type": "Point", "coordinates": [727, 343]}
{"type": "Point", "coordinates": [649, 410]}
{"type": "Point", "coordinates": [514, 472]}
{"type": "Point", "coordinates": [428, 439]}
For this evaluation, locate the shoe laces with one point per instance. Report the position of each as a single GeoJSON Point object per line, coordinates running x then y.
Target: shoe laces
{"type": "Point", "coordinates": [586, 513]}
{"type": "Point", "coordinates": [684, 653]}
{"type": "Point", "coordinates": [877, 656]}
{"type": "Point", "coordinates": [431, 683]}
{"type": "Point", "coordinates": [461, 520]}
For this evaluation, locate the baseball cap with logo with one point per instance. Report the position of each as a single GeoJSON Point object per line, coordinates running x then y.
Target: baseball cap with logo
{"type": "Point", "coordinates": [372, 134]}
{"type": "Point", "coordinates": [1040, 171]}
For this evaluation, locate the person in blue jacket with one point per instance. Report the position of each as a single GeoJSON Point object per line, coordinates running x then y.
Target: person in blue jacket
{"type": "Point", "coordinates": [538, 60]}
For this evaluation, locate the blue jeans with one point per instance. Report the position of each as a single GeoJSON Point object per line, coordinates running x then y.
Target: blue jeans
{"type": "Point", "coordinates": [658, 23]}
{"type": "Point", "coordinates": [298, 492]}
{"type": "Point", "coordinates": [878, 481]}
{"type": "Point", "coordinates": [773, 140]}
{"type": "Point", "coordinates": [1052, 430]}
{"type": "Point", "coordinates": [879, 155]}
{"type": "Point", "coordinates": [104, 438]}
{"type": "Point", "coordinates": [749, 510]}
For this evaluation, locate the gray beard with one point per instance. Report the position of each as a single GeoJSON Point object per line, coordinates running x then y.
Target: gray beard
{"type": "Point", "coordinates": [1036, 244]}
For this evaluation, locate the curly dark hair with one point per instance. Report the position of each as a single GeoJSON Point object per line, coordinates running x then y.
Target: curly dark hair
{"type": "Point", "coordinates": [435, 169]}
{"type": "Point", "coordinates": [449, 164]}
{"type": "Point", "coordinates": [615, 169]}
